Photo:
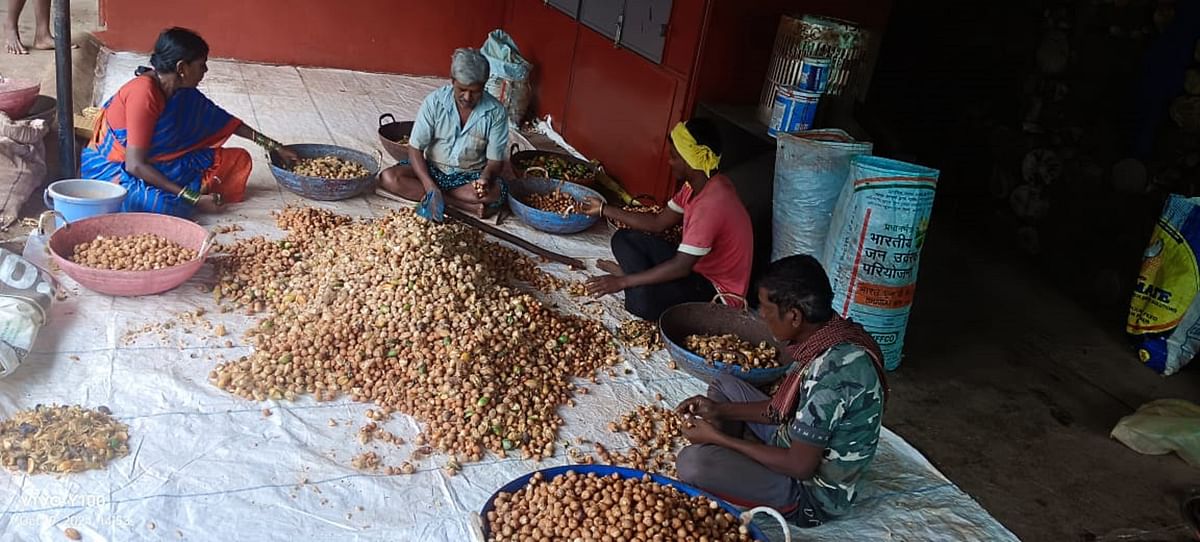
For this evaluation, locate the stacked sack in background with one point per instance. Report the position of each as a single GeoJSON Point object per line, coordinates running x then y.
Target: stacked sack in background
{"type": "Point", "coordinates": [874, 246]}
{"type": "Point", "coordinates": [811, 168]}
{"type": "Point", "coordinates": [863, 217]}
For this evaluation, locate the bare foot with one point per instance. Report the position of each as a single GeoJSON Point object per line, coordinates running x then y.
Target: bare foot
{"type": "Point", "coordinates": [13, 43]}
{"type": "Point", "coordinates": [478, 210]}
{"type": "Point", "coordinates": [610, 267]}
{"type": "Point", "coordinates": [47, 44]}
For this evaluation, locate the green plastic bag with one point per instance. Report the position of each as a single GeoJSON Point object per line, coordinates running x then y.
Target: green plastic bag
{"type": "Point", "coordinates": [1161, 427]}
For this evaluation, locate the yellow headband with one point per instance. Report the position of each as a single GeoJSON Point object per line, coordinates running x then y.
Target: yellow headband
{"type": "Point", "coordinates": [697, 156]}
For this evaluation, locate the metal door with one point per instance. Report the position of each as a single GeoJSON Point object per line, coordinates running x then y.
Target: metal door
{"type": "Point", "coordinates": [603, 16]}
{"type": "Point", "coordinates": [644, 28]}
{"type": "Point", "coordinates": [570, 7]}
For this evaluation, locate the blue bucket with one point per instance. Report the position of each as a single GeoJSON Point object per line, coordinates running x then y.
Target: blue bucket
{"type": "Point", "coordinates": [76, 199]}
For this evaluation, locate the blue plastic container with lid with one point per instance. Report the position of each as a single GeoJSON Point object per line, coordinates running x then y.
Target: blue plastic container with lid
{"type": "Point", "coordinates": [795, 111]}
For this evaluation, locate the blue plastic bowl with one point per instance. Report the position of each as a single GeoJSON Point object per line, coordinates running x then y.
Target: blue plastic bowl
{"type": "Point", "coordinates": [545, 220]}
{"type": "Point", "coordinates": [680, 321]}
{"type": "Point", "coordinates": [319, 189]}
{"type": "Point", "coordinates": [605, 470]}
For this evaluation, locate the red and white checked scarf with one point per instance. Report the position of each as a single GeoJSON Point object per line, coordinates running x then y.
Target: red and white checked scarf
{"type": "Point", "coordinates": [837, 331]}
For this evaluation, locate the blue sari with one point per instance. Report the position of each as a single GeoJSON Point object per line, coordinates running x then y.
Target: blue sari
{"type": "Point", "coordinates": [183, 148]}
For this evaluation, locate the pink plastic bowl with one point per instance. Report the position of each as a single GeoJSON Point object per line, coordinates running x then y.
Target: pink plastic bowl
{"type": "Point", "coordinates": [130, 283]}
{"type": "Point", "coordinates": [17, 96]}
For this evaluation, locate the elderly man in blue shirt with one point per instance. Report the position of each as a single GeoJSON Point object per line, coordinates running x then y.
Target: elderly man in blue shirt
{"type": "Point", "coordinates": [458, 144]}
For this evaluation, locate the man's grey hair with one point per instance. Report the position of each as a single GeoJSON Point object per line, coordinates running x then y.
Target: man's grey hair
{"type": "Point", "coordinates": [469, 67]}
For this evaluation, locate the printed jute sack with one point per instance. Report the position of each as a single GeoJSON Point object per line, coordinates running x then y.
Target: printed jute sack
{"type": "Point", "coordinates": [874, 246]}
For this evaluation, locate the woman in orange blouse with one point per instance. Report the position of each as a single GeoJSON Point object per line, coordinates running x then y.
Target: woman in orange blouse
{"type": "Point", "coordinates": [160, 137]}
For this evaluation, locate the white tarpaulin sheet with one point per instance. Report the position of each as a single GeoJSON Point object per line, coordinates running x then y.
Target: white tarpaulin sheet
{"type": "Point", "coordinates": [205, 465]}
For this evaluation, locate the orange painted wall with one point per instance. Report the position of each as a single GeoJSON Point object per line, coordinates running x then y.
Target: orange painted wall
{"type": "Point", "coordinates": [620, 112]}
{"type": "Point", "coordinates": [546, 37]}
{"type": "Point", "coordinates": [370, 35]}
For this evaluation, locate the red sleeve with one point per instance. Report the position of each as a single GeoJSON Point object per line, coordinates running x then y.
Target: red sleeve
{"type": "Point", "coordinates": [700, 234]}
{"type": "Point", "coordinates": [676, 203]}
{"type": "Point", "coordinates": [143, 104]}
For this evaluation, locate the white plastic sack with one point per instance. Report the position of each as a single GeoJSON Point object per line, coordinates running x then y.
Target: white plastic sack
{"type": "Point", "coordinates": [810, 169]}
{"type": "Point", "coordinates": [874, 246]}
{"type": "Point", "coordinates": [26, 293]}
{"type": "Point", "coordinates": [22, 163]}
{"type": "Point", "coordinates": [509, 81]}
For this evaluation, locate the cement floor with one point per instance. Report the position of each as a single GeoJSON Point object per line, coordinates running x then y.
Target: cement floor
{"type": "Point", "coordinates": [1012, 389]}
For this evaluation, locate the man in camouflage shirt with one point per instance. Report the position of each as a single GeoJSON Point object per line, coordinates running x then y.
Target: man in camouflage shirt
{"type": "Point", "coordinates": [806, 447]}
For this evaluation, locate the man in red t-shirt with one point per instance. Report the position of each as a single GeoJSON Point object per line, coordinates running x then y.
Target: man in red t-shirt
{"type": "Point", "coordinates": [718, 242]}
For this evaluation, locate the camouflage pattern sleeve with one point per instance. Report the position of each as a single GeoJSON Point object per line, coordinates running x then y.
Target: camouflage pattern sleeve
{"type": "Point", "coordinates": [840, 410]}
{"type": "Point", "coordinates": [821, 408]}
{"type": "Point", "coordinates": [822, 400]}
